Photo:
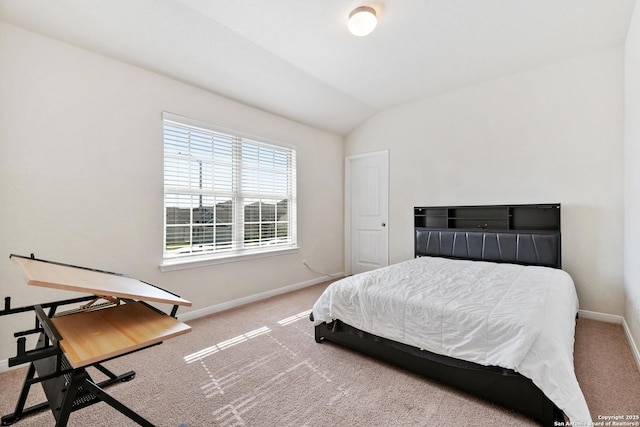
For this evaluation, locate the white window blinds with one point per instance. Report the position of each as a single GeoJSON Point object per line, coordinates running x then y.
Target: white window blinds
{"type": "Point", "coordinates": [225, 193]}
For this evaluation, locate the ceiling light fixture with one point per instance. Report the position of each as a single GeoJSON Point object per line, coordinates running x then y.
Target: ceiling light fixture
{"type": "Point", "coordinates": [362, 21]}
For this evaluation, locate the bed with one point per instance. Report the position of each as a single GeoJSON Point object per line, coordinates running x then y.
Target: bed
{"type": "Point", "coordinates": [484, 306]}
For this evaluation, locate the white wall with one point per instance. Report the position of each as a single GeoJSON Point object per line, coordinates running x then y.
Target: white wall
{"type": "Point", "coordinates": [552, 134]}
{"type": "Point", "coordinates": [632, 176]}
{"type": "Point", "coordinates": [81, 176]}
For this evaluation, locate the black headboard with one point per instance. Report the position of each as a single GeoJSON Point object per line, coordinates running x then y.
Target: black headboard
{"type": "Point", "coordinates": [521, 234]}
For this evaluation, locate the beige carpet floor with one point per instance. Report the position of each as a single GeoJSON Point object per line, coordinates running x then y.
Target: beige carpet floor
{"type": "Point", "coordinates": [258, 365]}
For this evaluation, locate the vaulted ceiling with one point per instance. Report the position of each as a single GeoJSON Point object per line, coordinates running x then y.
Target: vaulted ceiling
{"type": "Point", "coordinates": [296, 58]}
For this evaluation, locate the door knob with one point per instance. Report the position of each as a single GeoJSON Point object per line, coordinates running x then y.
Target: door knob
{"type": "Point", "coordinates": [384, 224]}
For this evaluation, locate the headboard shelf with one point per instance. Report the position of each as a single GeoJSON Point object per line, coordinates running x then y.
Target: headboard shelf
{"type": "Point", "coordinates": [526, 234]}
{"type": "Point", "coordinates": [497, 217]}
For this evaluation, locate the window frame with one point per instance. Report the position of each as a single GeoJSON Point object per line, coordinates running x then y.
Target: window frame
{"type": "Point", "coordinates": [238, 197]}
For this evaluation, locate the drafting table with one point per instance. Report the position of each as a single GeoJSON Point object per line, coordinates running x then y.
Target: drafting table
{"type": "Point", "coordinates": [86, 336]}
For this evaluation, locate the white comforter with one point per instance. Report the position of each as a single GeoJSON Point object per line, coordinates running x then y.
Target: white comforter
{"type": "Point", "coordinates": [513, 316]}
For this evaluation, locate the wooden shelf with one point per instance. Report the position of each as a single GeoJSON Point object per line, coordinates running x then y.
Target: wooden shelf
{"type": "Point", "coordinates": [95, 336]}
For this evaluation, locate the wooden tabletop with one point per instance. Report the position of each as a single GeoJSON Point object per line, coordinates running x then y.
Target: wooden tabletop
{"type": "Point", "coordinates": [59, 276]}
{"type": "Point", "coordinates": [94, 336]}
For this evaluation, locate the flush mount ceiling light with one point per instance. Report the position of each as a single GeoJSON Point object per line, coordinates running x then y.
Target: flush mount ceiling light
{"type": "Point", "coordinates": [362, 21]}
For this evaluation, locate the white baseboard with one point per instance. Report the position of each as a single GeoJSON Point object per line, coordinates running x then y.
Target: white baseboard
{"type": "Point", "coordinates": [632, 344]}
{"type": "Point", "coordinates": [620, 320]}
{"type": "Point", "coordinates": [603, 317]}
{"type": "Point", "coordinates": [253, 298]}
{"type": "Point", "coordinates": [4, 364]}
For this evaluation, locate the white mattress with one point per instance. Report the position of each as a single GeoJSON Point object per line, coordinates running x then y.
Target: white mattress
{"type": "Point", "coordinates": [513, 316]}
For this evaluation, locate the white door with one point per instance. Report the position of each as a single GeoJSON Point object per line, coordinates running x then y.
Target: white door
{"type": "Point", "coordinates": [367, 211]}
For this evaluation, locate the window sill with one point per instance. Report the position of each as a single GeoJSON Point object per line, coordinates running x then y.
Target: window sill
{"type": "Point", "coordinates": [207, 260]}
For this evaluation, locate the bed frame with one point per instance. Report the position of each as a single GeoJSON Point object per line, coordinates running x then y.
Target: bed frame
{"type": "Point", "coordinates": [521, 234]}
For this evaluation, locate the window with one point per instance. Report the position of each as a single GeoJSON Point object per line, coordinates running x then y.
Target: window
{"type": "Point", "coordinates": [225, 194]}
